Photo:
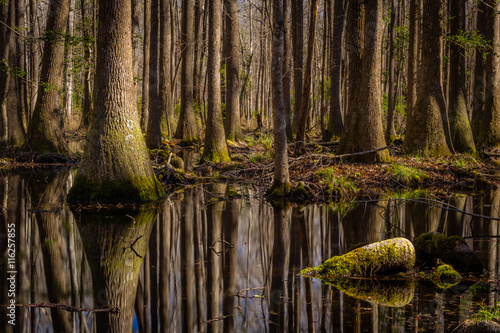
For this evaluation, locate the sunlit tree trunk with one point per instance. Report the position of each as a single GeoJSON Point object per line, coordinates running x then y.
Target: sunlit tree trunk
{"type": "Point", "coordinates": [306, 88]}
{"type": "Point", "coordinates": [461, 132]}
{"type": "Point", "coordinates": [146, 54]}
{"type": "Point", "coordinates": [425, 133]}
{"type": "Point", "coordinates": [215, 149]}
{"type": "Point", "coordinates": [363, 124]}
{"type": "Point", "coordinates": [187, 128]}
{"type": "Point", "coordinates": [165, 96]}
{"type": "Point", "coordinates": [45, 133]}
{"type": "Point", "coordinates": [153, 133]}
{"type": "Point", "coordinates": [281, 183]}
{"type": "Point", "coordinates": [232, 121]}
{"type": "Point", "coordinates": [68, 105]}
{"type": "Point", "coordinates": [115, 166]}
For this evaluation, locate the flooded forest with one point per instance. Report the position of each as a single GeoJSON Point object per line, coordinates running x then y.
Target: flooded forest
{"type": "Point", "coordinates": [249, 166]}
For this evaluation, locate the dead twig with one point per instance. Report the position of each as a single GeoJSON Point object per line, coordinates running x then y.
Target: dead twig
{"type": "Point", "coordinates": [67, 307]}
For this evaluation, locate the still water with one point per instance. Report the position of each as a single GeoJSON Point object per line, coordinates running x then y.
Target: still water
{"type": "Point", "coordinates": [199, 263]}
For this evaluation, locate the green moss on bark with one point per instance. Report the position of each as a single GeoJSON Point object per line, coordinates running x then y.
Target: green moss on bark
{"type": "Point", "coordinates": [133, 189]}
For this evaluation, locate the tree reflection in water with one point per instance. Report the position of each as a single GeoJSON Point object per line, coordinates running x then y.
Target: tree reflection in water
{"type": "Point", "coordinates": [225, 265]}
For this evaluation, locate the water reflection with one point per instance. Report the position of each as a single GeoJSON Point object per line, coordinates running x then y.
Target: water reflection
{"type": "Point", "coordinates": [203, 263]}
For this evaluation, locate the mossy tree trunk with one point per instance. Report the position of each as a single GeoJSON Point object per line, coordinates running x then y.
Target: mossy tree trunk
{"type": "Point", "coordinates": [215, 149]}
{"type": "Point", "coordinates": [45, 133]}
{"type": "Point", "coordinates": [425, 132]}
{"type": "Point", "coordinates": [115, 166]}
{"type": "Point", "coordinates": [363, 123]}
{"type": "Point", "coordinates": [335, 122]}
{"type": "Point", "coordinates": [281, 183]}
{"type": "Point", "coordinates": [489, 127]}
{"type": "Point", "coordinates": [187, 129]}
{"type": "Point", "coordinates": [232, 123]}
{"type": "Point", "coordinates": [461, 132]}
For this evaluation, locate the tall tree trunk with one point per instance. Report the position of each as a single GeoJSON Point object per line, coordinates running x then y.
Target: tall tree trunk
{"type": "Point", "coordinates": [45, 133]}
{"type": "Point", "coordinates": [335, 122]}
{"type": "Point", "coordinates": [165, 91]}
{"type": "Point", "coordinates": [146, 53]}
{"type": "Point", "coordinates": [461, 132]}
{"type": "Point", "coordinates": [298, 56]}
{"type": "Point", "coordinates": [6, 43]}
{"type": "Point", "coordinates": [489, 122]}
{"type": "Point", "coordinates": [411, 91]}
{"type": "Point", "coordinates": [287, 70]}
{"type": "Point", "coordinates": [87, 79]}
{"type": "Point", "coordinates": [306, 87]}
{"type": "Point", "coordinates": [215, 139]}
{"type": "Point", "coordinates": [390, 133]}
{"type": "Point", "coordinates": [232, 123]}
{"type": "Point", "coordinates": [68, 105]}
{"type": "Point", "coordinates": [363, 125]}
{"type": "Point", "coordinates": [187, 128]}
{"type": "Point", "coordinates": [153, 133]}
{"type": "Point", "coordinates": [115, 166]}
{"type": "Point", "coordinates": [425, 134]}
{"type": "Point", "coordinates": [281, 183]}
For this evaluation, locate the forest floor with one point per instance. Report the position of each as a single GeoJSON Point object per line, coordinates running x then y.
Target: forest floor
{"type": "Point", "coordinates": [317, 176]}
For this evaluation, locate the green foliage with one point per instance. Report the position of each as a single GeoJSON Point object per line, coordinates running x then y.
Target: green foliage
{"type": "Point", "coordinates": [256, 158]}
{"type": "Point", "coordinates": [337, 185]}
{"type": "Point", "coordinates": [406, 174]}
{"type": "Point", "coordinates": [484, 313]}
{"type": "Point", "coordinates": [471, 40]}
{"type": "Point", "coordinates": [47, 86]}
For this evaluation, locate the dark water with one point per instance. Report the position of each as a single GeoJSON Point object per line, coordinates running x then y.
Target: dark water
{"type": "Point", "coordinates": [197, 263]}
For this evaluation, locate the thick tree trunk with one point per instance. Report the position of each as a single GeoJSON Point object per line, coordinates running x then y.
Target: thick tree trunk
{"type": "Point", "coordinates": [115, 166]}
{"type": "Point", "coordinates": [489, 133]}
{"type": "Point", "coordinates": [281, 183]}
{"type": "Point", "coordinates": [425, 133]}
{"type": "Point", "coordinates": [215, 149]}
{"type": "Point", "coordinates": [232, 123]}
{"type": "Point", "coordinates": [187, 128]}
{"type": "Point", "coordinates": [306, 87]}
{"type": "Point", "coordinates": [153, 133]}
{"type": "Point", "coordinates": [363, 124]}
{"type": "Point", "coordinates": [461, 132]}
{"type": "Point", "coordinates": [45, 132]}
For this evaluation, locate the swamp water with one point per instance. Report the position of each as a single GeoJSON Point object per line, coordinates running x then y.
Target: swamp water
{"type": "Point", "coordinates": [198, 263]}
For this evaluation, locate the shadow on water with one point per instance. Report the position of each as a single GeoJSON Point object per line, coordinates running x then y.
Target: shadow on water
{"type": "Point", "coordinates": [200, 262]}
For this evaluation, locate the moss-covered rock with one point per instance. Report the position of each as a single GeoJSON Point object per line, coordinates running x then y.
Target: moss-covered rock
{"type": "Point", "coordinates": [483, 326]}
{"type": "Point", "coordinates": [385, 257]}
{"type": "Point", "coordinates": [452, 250]}
{"type": "Point", "coordinates": [445, 276]}
{"type": "Point", "coordinates": [394, 293]}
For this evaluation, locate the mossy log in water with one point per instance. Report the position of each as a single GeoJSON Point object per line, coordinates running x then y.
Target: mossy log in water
{"type": "Point", "coordinates": [452, 250]}
{"type": "Point", "coordinates": [385, 257]}
{"type": "Point", "coordinates": [394, 293]}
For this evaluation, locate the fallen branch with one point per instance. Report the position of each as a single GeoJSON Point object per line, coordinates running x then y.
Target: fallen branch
{"type": "Point", "coordinates": [67, 307]}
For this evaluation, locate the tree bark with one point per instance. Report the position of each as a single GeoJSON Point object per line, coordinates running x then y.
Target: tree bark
{"type": "Point", "coordinates": [287, 70]}
{"type": "Point", "coordinates": [390, 133]}
{"type": "Point", "coordinates": [306, 87]}
{"type": "Point", "coordinates": [461, 132]}
{"type": "Point", "coordinates": [115, 166]}
{"type": "Point", "coordinates": [281, 183]}
{"type": "Point", "coordinates": [425, 133]}
{"type": "Point", "coordinates": [363, 124]}
{"type": "Point", "coordinates": [411, 91]}
{"type": "Point", "coordinates": [187, 128]}
{"type": "Point", "coordinates": [45, 132]}
{"type": "Point", "coordinates": [298, 56]}
{"type": "Point", "coordinates": [146, 54]}
{"type": "Point", "coordinates": [165, 92]}
{"type": "Point", "coordinates": [232, 123]}
{"type": "Point", "coordinates": [215, 149]}
{"type": "Point", "coordinates": [153, 133]}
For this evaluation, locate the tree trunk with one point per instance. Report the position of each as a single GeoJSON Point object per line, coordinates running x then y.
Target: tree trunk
{"type": "Point", "coordinates": [68, 105]}
{"type": "Point", "coordinates": [232, 123]}
{"type": "Point", "coordinates": [165, 92]}
{"type": "Point", "coordinates": [115, 166]}
{"type": "Point", "coordinates": [489, 126]}
{"type": "Point", "coordinates": [425, 133]}
{"type": "Point", "coordinates": [187, 128]}
{"type": "Point", "coordinates": [146, 53]}
{"type": "Point", "coordinates": [298, 56]}
{"type": "Point", "coordinates": [363, 125]}
{"type": "Point", "coordinates": [390, 133]}
{"type": "Point", "coordinates": [6, 43]}
{"type": "Point", "coordinates": [461, 132]}
{"type": "Point", "coordinates": [87, 105]}
{"type": "Point", "coordinates": [153, 133]}
{"type": "Point", "coordinates": [335, 122]}
{"type": "Point", "coordinates": [45, 132]}
{"type": "Point", "coordinates": [215, 149]}
{"type": "Point", "coordinates": [137, 39]}
{"type": "Point", "coordinates": [306, 87]}
{"type": "Point", "coordinates": [281, 183]}
{"type": "Point", "coordinates": [287, 70]}
{"type": "Point", "coordinates": [411, 91]}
